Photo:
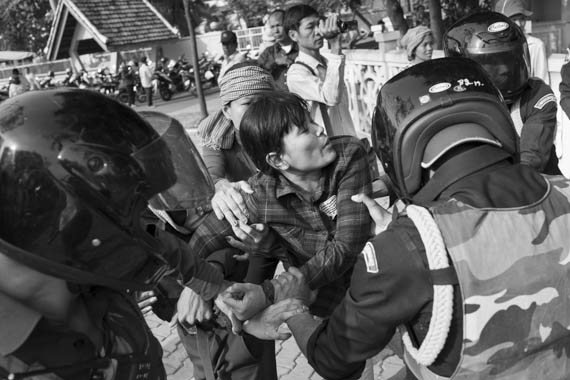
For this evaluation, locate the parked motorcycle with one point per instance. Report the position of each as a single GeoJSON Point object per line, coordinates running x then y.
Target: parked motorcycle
{"type": "Point", "coordinates": [179, 73]}
{"type": "Point", "coordinates": [208, 73]}
{"type": "Point", "coordinates": [163, 85]}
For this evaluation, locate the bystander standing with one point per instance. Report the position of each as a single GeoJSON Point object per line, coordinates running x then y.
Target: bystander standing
{"type": "Point", "coordinates": [515, 9]}
{"type": "Point", "coordinates": [231, 55]}
{"type": "Point", "coordinates": [145, 75]}
{"type": "Point", "coordinates": [277, 58]}
{"type": "Point", "coordinates": [318, 79]}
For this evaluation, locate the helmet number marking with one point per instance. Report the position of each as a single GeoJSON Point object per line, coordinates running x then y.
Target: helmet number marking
{"type": "Point", "coordinates": [462, 84]}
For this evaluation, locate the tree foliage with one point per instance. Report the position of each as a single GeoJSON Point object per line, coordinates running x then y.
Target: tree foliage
{"type": "Point", "coordinates": [173, 11]}
{"type": "Point", "coordinates": [25, 24]}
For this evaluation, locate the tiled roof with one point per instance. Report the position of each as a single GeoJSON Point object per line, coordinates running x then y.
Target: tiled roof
{"type": "Point", "coordinates": [124, 22]}
{"type": "Point", "coordinates": [113, 24]}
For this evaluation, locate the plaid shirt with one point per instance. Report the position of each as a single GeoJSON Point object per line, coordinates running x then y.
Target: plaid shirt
{"type": "Point", "coordinates": [321, 233]}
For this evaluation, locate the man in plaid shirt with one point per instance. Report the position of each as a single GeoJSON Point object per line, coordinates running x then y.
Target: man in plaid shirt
{"type": "Point", "coordinates": [303, 194]}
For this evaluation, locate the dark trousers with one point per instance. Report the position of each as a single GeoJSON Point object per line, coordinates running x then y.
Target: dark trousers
{"type": "Point", "coordinates": [229, 356]}
{"type": "Point", "coordinates": [131, 93]}
{"type": "Point", "coordinates": [148, 91]}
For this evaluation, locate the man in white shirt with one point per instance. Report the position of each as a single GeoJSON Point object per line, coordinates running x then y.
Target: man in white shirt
{"type": "Point", "coordinates": [145, 75]}
{"type": "Point", "coordinates": [516, 11]}
{"type": "Point", "coordinates": [231, 55]}
{"type": "Point", "coordinates": [317, 79]}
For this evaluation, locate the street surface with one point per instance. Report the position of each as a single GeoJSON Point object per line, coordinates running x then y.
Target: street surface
{"type": "Point", "coordinates": [291, 364]}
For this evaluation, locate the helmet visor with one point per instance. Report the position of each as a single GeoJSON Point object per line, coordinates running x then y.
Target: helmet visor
{"type": "Point", "coordinates": [509, 70]}
{"type": "Point", "coordinates": [189, 185]}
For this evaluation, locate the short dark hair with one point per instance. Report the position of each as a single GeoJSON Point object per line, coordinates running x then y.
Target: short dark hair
{"type": "Point", "coordinates": [270, 115]}
{"type": "Point", "coordinates": [295, 14]}
{"type": "Point", "coordinates": [278, 10]}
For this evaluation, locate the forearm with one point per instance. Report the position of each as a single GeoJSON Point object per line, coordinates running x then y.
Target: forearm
{"type": "Point", "coordinates": [214, 160]}
{"type": "Point", "coordinates": [302, 327]}
{"type": "Point", "coordinates": [537, 139]}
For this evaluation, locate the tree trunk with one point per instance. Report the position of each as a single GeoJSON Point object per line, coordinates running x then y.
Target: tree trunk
{"type": "Point", "coordinates": [436, 24]}
{"type": "Point", "coordinates": [194, 54]}
{"type": "Point", "coordinates": [53, 4]}
{"type": "Point", "coordinates": [396, 15]}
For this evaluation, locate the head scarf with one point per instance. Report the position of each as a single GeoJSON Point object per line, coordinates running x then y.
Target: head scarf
{"type": "Point", "coordinates": [413, 38]}
{"type": "Point", "coordinates": [216, 131]}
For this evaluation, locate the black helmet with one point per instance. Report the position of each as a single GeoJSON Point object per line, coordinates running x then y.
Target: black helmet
{"type": "Point", "coordinates": [426, 110]}
{"type": "Point", "coordinates": [495, 42]}
{"type": "Point", "coordinates": [194, 188]}
{"type": "Point", "coordinates": [77, 168]}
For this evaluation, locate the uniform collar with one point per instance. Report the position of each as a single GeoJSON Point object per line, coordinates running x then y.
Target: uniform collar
{"type": "Point", "coordinates": [459, 167]}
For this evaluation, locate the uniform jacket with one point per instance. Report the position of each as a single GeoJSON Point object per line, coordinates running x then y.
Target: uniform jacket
{"type": "Point", "coordinates": [534, 115]}
{"type": "Point", "coordinates": [391, 285]}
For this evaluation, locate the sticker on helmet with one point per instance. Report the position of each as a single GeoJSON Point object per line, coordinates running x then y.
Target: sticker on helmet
{"type": "Point", "coordinates": [370, 258]}
{"type": "Point", "coordinates": [498, 27]}
{"type": "Point", "coordinates": [424, 99]}
{"type": "Point", "coordinates": [440, 87]}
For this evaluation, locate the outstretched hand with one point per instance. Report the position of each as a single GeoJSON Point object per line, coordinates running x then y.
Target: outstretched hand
{"type": "Point", "coordinates": [292, 284]}
{"type": "Point", "coordinates": [228, 201]}
{"type": "Point", "coordinates": [191, 308]}
{"type": "Point", "coordinates": [256, 237]}
{"type": "Point", "coordinates": [145, 300]}
{"type": "Point", "coordinates": [244, 300]}
{"type": "Point", "coordinates": [379, 215]}
{"type": "Point", "coordinates": [265, 325]}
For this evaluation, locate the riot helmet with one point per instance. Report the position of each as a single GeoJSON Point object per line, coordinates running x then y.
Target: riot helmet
{"type": "Point", "coordinates": [496, 43]}
{"type": "Point", "coordinates": [430, 108]}
{"type": "Point", "coordinates": [77, 169]}
{"type": "Point", "coordinates": [194, 188]}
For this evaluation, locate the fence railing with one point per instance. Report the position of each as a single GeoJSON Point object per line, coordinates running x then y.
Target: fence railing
{"type": "Point", "coordinates": [40, 69]}
{"type": "Point", "coordinates": [249, 39]}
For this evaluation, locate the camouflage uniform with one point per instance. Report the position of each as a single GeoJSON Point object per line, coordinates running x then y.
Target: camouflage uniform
{"type": "Point", "coordinates": [515, 289]}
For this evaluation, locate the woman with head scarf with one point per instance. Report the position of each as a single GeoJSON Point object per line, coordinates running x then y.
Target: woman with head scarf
{"type": "Point", "coordinates": [214, 350]}
{"type": "Point", "coordinates": [418, 43]}
{"type": "Point", "coordinates": [225, 159]}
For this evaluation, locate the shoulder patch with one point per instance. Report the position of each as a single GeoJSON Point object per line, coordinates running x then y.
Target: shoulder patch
{"type": "Point", "coordinates": [370, 258]}
{"type": "Point", "coordinates": [544, 101]}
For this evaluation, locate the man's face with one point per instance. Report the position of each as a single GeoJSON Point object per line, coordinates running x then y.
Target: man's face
{"type": "Point", "coordinates": [229, 48]}
{"type": "Point", "coordinates": [235, 110]}
{"type": "Point", "coordinates": [424, 50]}
{"type": "Point", "coordinates": [499, 73]}
{"type": "Point", "coordinates": [307, 150]}
{"type": "Point", "coordinates": [276, 27]}
{"type": "Point", "coordinates": [308, 35]}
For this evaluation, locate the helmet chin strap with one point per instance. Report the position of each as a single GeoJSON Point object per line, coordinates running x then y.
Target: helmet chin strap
{"type": "Point", "coordinates": [458, 167]}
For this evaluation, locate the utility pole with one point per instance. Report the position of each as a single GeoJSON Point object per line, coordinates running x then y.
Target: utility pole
{"type": "Point", "coordinates": [436, 23]}
{"type": "Point", "coordinates": [194, 54]}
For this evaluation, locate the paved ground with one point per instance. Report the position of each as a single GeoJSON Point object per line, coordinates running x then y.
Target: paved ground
{"type": "Point", "coordinates": [291, 364]}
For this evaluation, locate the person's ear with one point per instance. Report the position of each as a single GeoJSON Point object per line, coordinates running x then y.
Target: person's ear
{"type": "Point", "coordinates": [294, 35]}
{"type": "Point", "coordinates": [277, 162]}
{"type": "Point", "coordinates": [226, 111]}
